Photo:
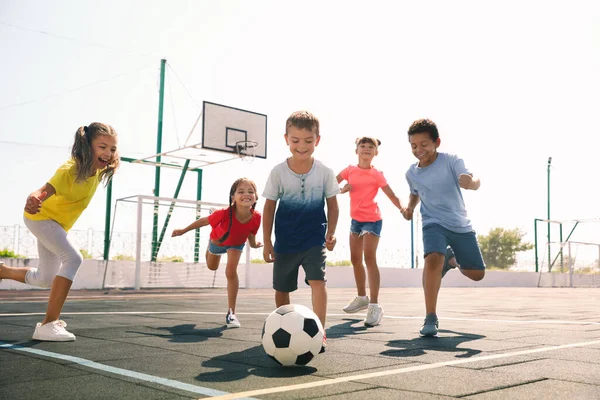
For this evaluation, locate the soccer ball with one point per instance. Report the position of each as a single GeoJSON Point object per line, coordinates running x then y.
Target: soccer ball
{"type": "Point", "coordinates": [292, 335]}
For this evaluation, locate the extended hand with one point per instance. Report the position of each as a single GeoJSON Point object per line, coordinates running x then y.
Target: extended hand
{"type": "Point", "coordinates": [177, 232]}
{"type": "Point", "coordinates": [465, 181]}
{"type": "Point", "coordinates": [257, 245]}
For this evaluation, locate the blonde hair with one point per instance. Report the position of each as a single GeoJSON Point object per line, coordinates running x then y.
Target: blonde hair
{"type": "Point", "coordinates": [82, 152]}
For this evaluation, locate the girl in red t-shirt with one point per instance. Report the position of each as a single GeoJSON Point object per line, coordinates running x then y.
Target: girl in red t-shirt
{"type": "Point", "coordinates": [231, 227]}
{"type": "Point", "coordinates": [364, 181]}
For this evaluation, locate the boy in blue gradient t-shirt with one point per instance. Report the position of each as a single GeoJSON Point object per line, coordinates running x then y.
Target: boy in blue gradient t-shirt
{"type": "Point", "coordinates": [303, 186]}
{"type": "Point", "coordinates": [436, 181]}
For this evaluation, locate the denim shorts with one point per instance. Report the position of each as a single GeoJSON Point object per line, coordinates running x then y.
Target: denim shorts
{"type": "Point", "coordinates": [219, 250]}
{"type": "Point", "coordinates": [436, 239]}
{"type": "Point", "coordinates": [286, 266]}
{"type": "Point", "coordinates": [360, 228]}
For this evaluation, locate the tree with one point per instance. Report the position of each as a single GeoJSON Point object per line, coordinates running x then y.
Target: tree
{"type": "Point", "coordinates": [500, 247]}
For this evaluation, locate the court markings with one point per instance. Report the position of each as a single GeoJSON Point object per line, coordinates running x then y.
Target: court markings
{"type": "Point", "coordinates": [119, 371]}
{"type": "Point", "coordinates": [335, 381]}
{"type": "Point", "coordinates": [506, 321]}
{"type": "Point", "coordinates": [246, 395]}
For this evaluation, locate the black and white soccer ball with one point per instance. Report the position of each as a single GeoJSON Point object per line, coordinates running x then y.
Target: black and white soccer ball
{"type": "Point", "coordinates": [292, 335]}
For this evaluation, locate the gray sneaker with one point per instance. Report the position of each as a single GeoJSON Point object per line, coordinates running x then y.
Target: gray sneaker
{"type": "Point", "coordinates": [374, 315]}
{"type": "Point", "coordinates": [356, 305]}
{"type": "Point", "coordinates": [430, 326]}
{"type": "Point", "coordinates": [449, 255]}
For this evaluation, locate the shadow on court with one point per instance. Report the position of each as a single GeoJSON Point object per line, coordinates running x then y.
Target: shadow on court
{"type": "Point", "coordinates": [419, 346]}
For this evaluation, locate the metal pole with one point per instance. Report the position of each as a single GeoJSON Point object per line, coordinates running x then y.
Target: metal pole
{"type": "Point", "coordinates": [197, 233]}
{"type": "Point", "coordinates": [412, 245]}
{"type": "Point", "coordinates": [107, 220]}
{"type": "Point", "coordinates": [535, 241]}
{"type": "Point", "coordinates": [163, 64]}
{"type": "Point", "coordinates": [138, 246]}
{"type": "Point", "coordinates": [548, 217]}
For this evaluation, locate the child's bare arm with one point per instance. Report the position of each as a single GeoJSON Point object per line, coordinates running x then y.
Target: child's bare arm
{"type": "Point", "coordinates": [253, 243]}
{"type": "Point", "coordinates": [392, 196]}
{"type": "Point", "coordinates": [467, 181]}
{"type": "Point", "coordinates": [333, 213]}
{"type": "Point", "coordinates": [413, 200]}
{"type": "Point", "coordinates": [34, 201]}
{"type": "Point", "coordinates": [199, 223]}
{"type": "Point", "coordinates": [267, 220]}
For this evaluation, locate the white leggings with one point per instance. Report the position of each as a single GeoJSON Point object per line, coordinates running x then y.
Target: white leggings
{"type": "Point", "coordinates": [54, 249]}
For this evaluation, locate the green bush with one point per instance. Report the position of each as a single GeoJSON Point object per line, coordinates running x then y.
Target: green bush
{"type": "Point", "coordinates": [341, 263]}
{"type": "Point", "coordinates": [123, 257]}
{"type": "Point", "coordinates": [5, 253]}
{"type": "Point", "coordinates": [174, 259]}
{"type": "Point", "coordinates": [258, 261]}
{"type": "Point", "coordinates": [85, 254]}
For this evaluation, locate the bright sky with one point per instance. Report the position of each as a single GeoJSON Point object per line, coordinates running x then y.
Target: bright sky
{"type": "Point", "coordinates": [509, 84]}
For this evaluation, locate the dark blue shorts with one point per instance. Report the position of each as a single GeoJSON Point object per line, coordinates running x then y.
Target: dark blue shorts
{"type": "Point", "coordinates": [436, 239]}
{"type": "Point", "coordinates": [220, 250]}
{"type": "Point", "coordinates": [286, 266]}
{"type": "Point", "coordinates": [360, 228]}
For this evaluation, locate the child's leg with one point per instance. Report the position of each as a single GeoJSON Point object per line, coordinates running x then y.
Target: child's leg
{"type": "Point", "coordinates": [212, 261]}
{"type": "Point", "coordinates": [54, 248]}
{"type": "Point", "coordinates": [356, 256]}
{"type": "Point", "coordinates": [319, 299]}
{"type": "Point", "coordinates": [468, 255]}
{"type": "Point", "coordinates": [432, 280]}
{"type": "Point", "coordinates": [14, 273]}
{"type": "Point", "coordinates": [281, 298]}
{"type": "Point", "coordinates": [370, 251]}
{"type": "Point", "coordinates": [233, 282]}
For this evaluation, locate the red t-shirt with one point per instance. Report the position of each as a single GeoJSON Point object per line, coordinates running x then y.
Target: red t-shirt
{"type": "Point", "coordinates": [219, 221]}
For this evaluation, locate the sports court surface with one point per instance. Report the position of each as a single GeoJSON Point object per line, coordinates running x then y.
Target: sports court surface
{"type": "Point", "coordinates": [494, 343]}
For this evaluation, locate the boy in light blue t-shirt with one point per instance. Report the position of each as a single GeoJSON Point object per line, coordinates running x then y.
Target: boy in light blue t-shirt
{"type": "Point", "coordinates": [436, 180]}
{"type": "Point", "coordinates": [303, 186]}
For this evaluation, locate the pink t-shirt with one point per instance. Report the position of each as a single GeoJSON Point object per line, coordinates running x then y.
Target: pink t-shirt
{"type": "Point", "coordinates": [365, 185]}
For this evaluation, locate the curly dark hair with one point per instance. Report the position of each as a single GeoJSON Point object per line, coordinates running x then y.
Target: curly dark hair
{"type": "Point", "coordinates": [424, 126]}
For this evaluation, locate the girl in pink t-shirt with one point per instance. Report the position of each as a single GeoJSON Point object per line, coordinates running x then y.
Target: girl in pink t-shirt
{"type": "Point", "coordinates": [363, 183]}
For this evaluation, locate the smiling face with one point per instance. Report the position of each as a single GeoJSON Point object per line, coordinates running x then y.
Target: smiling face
{"type": "Point", "coordinates": [302, 142]}
{"type": "Point", "coordinates": [104, 148]}
{"type": "Point", "coordinates": [244, 194]}
{"type": "Point", "coordinates": [366, 151]}
{"type": "Point", "coordinates": [424, 148]}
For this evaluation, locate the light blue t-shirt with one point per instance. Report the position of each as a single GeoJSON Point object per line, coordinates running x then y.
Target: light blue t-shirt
{"type": "Point", "coordinates": [441, 197]}
{"type": "Point", "coordinates": [300, 220]}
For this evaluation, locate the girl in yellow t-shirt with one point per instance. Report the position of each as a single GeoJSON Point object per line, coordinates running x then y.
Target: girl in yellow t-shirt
{"type": "Point", "coordinates": [52, 210]}
{"type": "Point", "coordinates": [363, 183]}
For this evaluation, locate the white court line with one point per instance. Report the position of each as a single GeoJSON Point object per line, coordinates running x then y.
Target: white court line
{"type": "Point", "coordinates": [511, 321]}
{"type": "Point", "coordinates": [335, 381]}
{"type": "Point", "coordinates": [119, 371]}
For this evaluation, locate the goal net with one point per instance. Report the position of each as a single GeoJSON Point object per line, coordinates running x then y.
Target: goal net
{"type": "Point", "coordinates": [144, 255]}
{"type": "Point", "coordinates": [571, 258]}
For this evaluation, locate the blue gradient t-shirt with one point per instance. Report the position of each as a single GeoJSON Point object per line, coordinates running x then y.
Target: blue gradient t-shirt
{"type": "Point", "coordinates": [441, 198]}
{"type": "Point", "coordinates": [300, 220]}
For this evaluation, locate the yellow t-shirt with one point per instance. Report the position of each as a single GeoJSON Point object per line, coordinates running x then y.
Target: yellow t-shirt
{"type": "Point", "coordinates": [70, 198]}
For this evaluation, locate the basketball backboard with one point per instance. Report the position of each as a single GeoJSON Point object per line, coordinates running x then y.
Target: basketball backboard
{"type": "Point", "coordinates": [224, 127]}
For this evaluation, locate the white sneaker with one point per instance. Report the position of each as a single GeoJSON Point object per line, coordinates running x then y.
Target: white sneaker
{"type": "Point", "coordinates": [232, 321]}
{"type": "Point", "coordinates": [374, 315]}
{"type": "Point", "coordinates": [53, 332]}
{"type": "Point", "coordinates": [356, 305]}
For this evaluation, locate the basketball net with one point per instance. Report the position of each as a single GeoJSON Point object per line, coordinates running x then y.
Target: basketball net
{"type": "Point", "coordinates": [246, 150]}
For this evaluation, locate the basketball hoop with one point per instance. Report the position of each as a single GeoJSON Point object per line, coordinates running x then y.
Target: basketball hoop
{"type": "Point", "coordinates": [246, 150]}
